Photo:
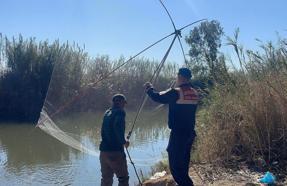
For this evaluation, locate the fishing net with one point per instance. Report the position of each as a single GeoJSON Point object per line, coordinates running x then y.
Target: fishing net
{"type": "Point", "coordinates": [80, 91]}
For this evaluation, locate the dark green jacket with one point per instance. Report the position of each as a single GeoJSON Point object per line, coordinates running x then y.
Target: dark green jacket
{"type": "Point", "coordinates": [113, 130]}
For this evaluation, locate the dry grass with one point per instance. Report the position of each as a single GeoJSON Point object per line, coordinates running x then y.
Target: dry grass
{"type": "Point", "coordinates": [245, 117]}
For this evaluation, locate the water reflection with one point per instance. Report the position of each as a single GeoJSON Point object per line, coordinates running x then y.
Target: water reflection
{"type": "Point", "coordinates": [31, 145]}
{"type": "Point", "coordinates": [28, 156]}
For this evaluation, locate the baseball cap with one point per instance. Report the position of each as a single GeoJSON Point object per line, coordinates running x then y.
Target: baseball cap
{"type": "Point", "coordinates": [118, 97]}
{"type": "Point", "coordinates": [185, 72]}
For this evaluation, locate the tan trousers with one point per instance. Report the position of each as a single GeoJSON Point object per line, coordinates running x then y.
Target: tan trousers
{"type": "Point", "coordinates": [114, 163]}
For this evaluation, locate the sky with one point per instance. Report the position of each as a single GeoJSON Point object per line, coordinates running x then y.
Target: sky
{"type": "Point", "coordinates": [124, 27]}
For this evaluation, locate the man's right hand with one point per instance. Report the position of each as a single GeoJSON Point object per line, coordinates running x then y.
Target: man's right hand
{"type": "Point", "coordinates": [127, 144]}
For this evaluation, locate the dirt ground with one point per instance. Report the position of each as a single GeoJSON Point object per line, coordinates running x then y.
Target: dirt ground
{"type": "Point", "coordinates": [207, 176]}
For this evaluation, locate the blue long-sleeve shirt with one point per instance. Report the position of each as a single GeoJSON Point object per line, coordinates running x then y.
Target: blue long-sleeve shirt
{"type": "Point", "coordinates": [113, 130]}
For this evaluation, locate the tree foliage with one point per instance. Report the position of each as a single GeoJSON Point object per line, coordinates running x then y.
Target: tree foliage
{"type": "Point", "coordinates": [204, 42]}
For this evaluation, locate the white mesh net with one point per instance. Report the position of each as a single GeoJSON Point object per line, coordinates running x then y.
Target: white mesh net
{"type": "Point", "coordinates": [73, 109]}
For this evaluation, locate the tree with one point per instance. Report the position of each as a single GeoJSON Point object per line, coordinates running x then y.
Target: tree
{"type": "Point", "coordinates": [204, 42]}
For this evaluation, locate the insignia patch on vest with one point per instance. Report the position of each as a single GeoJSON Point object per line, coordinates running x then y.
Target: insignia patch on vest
{"type": "Point", "coordinates": [189, 94]}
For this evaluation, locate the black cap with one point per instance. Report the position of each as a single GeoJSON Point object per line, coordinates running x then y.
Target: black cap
{"type": "Point", "coordinates": [185, 72]}
{"type": "Point", "coordinates": [118, 97]}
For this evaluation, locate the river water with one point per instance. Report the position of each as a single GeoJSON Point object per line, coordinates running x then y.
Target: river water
{"type": "Point", "coordinates": [29, 156]}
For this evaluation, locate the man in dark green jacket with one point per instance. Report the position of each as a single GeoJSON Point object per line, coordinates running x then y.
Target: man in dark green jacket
{"type": "Point", "coordinates": [112, 155]}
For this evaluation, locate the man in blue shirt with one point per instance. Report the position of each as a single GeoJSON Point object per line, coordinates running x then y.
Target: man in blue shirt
{"type": "Point", "coordinates": [112, 155]}
{"type": "Point", "coordinates": [182, 102]}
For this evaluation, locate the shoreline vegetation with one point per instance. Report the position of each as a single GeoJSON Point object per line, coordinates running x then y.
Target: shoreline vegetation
{"type": "Point", "coordinates": [215, 175]}
{"type": "Point", "coordinates": [242, 118]}
{"type": "Point", "coordinates": [26, 74]}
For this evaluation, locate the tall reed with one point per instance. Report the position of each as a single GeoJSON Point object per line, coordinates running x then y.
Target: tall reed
{"type": "Point", "coordinates": [245, 117]}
